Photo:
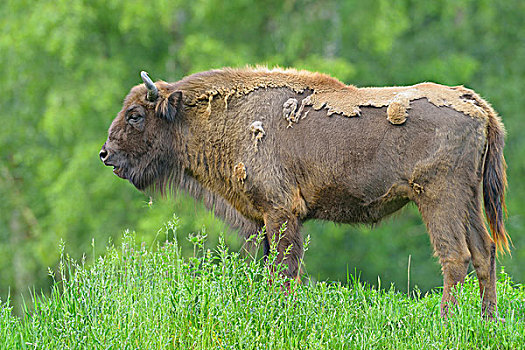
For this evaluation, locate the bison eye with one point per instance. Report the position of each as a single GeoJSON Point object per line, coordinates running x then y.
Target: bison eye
{"type": "Point", "coordinates": [134, 117]}
{"type": "Point", "coordinates": [136, 120]}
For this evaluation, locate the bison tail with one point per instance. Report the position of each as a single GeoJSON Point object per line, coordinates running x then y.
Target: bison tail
{"type": "Point", "coordinates": [495, 180]}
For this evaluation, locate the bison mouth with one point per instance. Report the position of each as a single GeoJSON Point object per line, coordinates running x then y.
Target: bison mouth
{"type": "Point", "coordinates": [126, 175]}
{"type": "Point", "coordinates": [137, 176]}
{"type": "Point", "coordinates": [119, 172]}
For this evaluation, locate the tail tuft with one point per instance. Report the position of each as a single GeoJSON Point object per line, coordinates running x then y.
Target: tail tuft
{"type": "Point", "coordinates": [495, 180]}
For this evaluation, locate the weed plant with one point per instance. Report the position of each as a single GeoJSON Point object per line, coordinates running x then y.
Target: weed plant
{"type": "Point", "coordinates": [138, 297]}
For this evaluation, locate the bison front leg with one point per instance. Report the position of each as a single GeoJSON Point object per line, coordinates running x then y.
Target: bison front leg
{"type": "Point", "coordinates": [288, 241]}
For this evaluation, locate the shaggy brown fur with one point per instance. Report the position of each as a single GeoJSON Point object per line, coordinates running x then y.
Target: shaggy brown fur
{"type": "Point", "coordinates": [434, 145]}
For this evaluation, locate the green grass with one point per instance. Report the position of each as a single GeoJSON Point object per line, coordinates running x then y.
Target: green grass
{"type": "Point", "coordinates": [138, 297]}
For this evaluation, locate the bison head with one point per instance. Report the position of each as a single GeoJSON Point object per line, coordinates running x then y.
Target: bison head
{"type": "Point", "coordinates": [140, 143]}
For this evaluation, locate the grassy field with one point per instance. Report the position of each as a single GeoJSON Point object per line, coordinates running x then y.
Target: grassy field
{"type": "Point", "coordinates": [138, 297]}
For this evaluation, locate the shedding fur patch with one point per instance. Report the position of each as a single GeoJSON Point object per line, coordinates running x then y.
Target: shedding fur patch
{"type": "Point", "coordinates": [289, 108]}
{"type": "Point", "coordinates": [398, 99]}
{"type": "Point", "coordinates": [396, 113]}
{"type": "Point", "coordinates": [298, 203]}
{"type": "Point", "coordinates": [327, 93]}
{"type": "Point", "coordinates": [291, 113]}
{"type": "Point", "coordinates": [239, 172]}
{"type": "Point", "coordinates": [258, 133]}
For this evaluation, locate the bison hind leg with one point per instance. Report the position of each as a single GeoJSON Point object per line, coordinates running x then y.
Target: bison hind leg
{"type": "Point", "coordinates": [446, 218]}
{"type": "Point", "coordinates": [454, 220]}
{"type": "Point", "coordinates": [483, 252]}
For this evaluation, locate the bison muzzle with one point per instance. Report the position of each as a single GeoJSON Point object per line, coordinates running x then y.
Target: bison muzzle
{"type": "Point", "coordinates": [267, 147]}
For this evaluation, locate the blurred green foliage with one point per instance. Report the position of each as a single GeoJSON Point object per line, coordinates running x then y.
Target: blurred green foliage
{"type": "Point", "coordinates": [65, 67]}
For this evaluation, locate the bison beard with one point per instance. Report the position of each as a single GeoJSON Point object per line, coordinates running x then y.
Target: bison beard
{"type": "Point", "coordinates": [267, 147]}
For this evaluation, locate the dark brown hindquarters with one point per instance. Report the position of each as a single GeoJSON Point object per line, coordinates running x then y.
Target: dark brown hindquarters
{"type": "Point", "coordinates": [451, 203]}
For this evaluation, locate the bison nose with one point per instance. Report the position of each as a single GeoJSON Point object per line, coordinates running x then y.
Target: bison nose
{"type": "Point", "coordinates": [103, 154]}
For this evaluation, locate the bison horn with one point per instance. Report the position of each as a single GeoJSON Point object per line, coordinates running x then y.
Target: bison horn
{"type": "Point", "coordinates": [153, 92]}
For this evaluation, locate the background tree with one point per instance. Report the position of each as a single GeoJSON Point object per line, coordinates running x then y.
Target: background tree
{"type": "Point", "coordinates": [65, 67]}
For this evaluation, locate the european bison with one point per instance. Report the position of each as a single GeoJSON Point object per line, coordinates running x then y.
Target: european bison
{"type": "Point", "coordinates": [264, 147]}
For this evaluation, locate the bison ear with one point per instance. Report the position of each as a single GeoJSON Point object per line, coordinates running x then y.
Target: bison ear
{"type": "Point", "coordinates": [168, 106]}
